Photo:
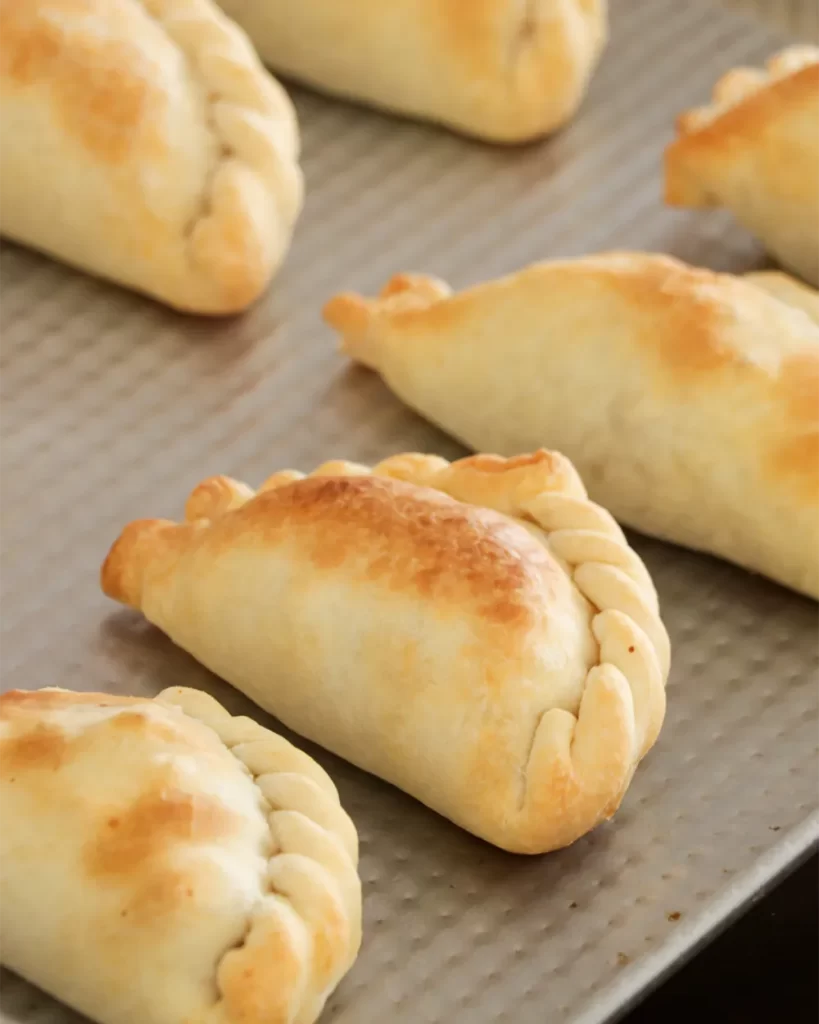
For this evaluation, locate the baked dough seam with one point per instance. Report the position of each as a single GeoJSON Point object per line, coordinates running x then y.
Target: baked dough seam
{"type": "Point", "coordinates": [266, 763]}
{"type": "Point", "coordinates": [236, 101]}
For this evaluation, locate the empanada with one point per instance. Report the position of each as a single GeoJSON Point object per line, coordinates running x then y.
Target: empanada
{"type": "Point", "coordinates": [477, 633]}
{"type": "Point", "coordinates": [162, 862]}
{"type": "Point", "coordinates": [144, 142]}
{"type": "Point", "coordinates": [502, 70]}
{"type": "Point", "coordinates": [688, 400]}
{"type": "Point", "coordinates": [755, 151]}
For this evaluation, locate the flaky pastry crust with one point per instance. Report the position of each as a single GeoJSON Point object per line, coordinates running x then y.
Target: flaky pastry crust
{"type": "Point", "coordinates": [688, 400]}
{"type": "Point", "coordinates": [168, 834]}
{"type": "Point", "coordinates": [502, 70]}
{"type": "Point", "coordinates": [755, 151]}
{"type": "Point", "coordinates": [144, 142]}
{"type": "Point", "coordinates": [478, 633]}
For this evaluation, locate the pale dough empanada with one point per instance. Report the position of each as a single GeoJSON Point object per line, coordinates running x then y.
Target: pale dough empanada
{"type": "Point", "coordinates": [755, 151]}
{"type": "Point", "coordinates": [142, 141]}
{"type": "Point", "coordinates": [477, 633]}
{"type": "Point", "coordinates": [502, 70]}
{"type": "Point", "coordinates": [162, 862]}
{"type": "Point", "coordinates": [688, 400]}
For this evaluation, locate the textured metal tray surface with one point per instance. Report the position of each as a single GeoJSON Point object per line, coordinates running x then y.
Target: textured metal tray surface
{"type": "Point", "coordinates": [113, 408]}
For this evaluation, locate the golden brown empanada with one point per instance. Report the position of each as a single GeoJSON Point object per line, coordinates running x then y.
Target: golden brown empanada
{"type": "Point", "coordinates": [477, 633]}
{"type": "Point", "coordinates": [755, 151]}
{"type": "Point", "coordinates": [144, 142]}
{"type": "Point", "coordinates": [688, 400]}
{"type": "Point", "coordinates": [502, 70]}
{"type": "Point", "coordinates": [162, 862]}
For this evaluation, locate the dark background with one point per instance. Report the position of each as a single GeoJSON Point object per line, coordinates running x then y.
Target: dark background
{"type": "Point", "coordinates": [764, 968]}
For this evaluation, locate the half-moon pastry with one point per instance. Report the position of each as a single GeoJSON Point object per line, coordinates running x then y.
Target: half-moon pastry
{"type": "Point", "coordinates": [502, 70]}
{"type": "Point", "coordinates": [688, 400]}
{"type": "Point", "coordinates": [143, 142]}
{"type": "Point", "coordinates": [164, 862]}
{"type": "Point", "coordinates": [755, 151]}
{"type": "Point", "coordinates": [477, 633]}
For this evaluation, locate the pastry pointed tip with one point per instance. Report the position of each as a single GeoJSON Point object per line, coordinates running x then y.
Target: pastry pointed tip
{"type": "Point", "coordinates": [352, 317]}
{"type": "Point", "coordinates": [139, 544]}
{"type": "Point", "coordinates": [360, 321]}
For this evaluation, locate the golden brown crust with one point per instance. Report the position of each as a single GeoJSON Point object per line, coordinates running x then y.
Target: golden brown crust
{"type": "Point", "coordinates": [121, 110]}
{"type": "Point", "coordinates": [101, 98]}
{"type": "Point", "coordinates": [697, 304]}
{"type": "Point", "coordinates": [501, 70]}
{"type": "Point", "coordinates": [744, 95]}
{"type": "Point", "coordinates": [698, 406]}
{"type": "Point", "coordinates": [502, 545]}
{"type": "Point", "coordinates": [139, 854]}
{"type": "Point", "coordinates": [431, 545]}
{"type": "Point", "coordinates": [708, 133]}
{"type": "Point", "coordinates": [755, 151]}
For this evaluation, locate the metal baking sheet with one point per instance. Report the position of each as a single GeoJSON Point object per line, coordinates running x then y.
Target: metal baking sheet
{"type": "Point", "coordinates": [113, 408]}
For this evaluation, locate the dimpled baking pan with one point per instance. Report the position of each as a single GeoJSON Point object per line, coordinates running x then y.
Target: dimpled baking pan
{"type": "Point", "coordinates": [113, 408]}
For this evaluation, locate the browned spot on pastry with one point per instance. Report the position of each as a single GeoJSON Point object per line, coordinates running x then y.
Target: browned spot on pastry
{"type": "Point", "coordinates": [165, 728]}
{"type": "Point", "coordinates": [43, 748]}
{"type": "Point", "coordinates": [684, 308]}
{"type": "Point", "coordinates": [140, 833]}
{"type": "Point", "coordinates": [744, 120]}
{"type": "Point", "coordinates": [407, 538]}
{"type": "Point", "coordinates": [692, 303]}
{"type": "Point", "coordinates": [262, 979]}
{"type": "Point", "coordinates": [101, 84]}
{"type": "Point", "coordinates": [160, 894]}
{"type": "Point", "coordinates": [36, 701]}
{"type": "Point", "coordinates": [799, 383]}
{"type": "Point", "coordinates": [329, 936]}
{"type": "Point", "coordinates": [797, 460]}
{"type": "Point", "coordinates": [695, 161]}
{"type": "Point", "coordinates": [466, 29]}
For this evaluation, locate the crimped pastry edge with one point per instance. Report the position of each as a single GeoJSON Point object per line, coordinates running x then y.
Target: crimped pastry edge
{"type": "Point", "coordinates": [254, 125]}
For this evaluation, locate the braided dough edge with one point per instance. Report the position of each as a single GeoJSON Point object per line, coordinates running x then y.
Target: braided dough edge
{"type": "Point", "coordinates": [315, 891]}
{"type": "Point", "coordinates": [254, 192]}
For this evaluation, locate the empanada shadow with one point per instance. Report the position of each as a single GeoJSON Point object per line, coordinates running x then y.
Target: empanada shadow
{"type": "Point", "coordinates": [20, 1000]}
{"type": "Point", "coordinates": [223, 341]}
{"type": "Point", "coordinates": [358, 396]}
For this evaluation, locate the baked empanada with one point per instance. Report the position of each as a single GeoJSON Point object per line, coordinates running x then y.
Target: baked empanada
{"type": "Point", "coordinates": [688, 400]}
{"type": "Point", "coordinates": [755, 151]}
{"type": "Point", "coordinates": [477, 633]}
{"type": "Point", "coordinates": [162, 862]}
{"type": "Point", "coordinates": [502, 70]}
{"type": "Point", "coordinates": [144, 142]}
